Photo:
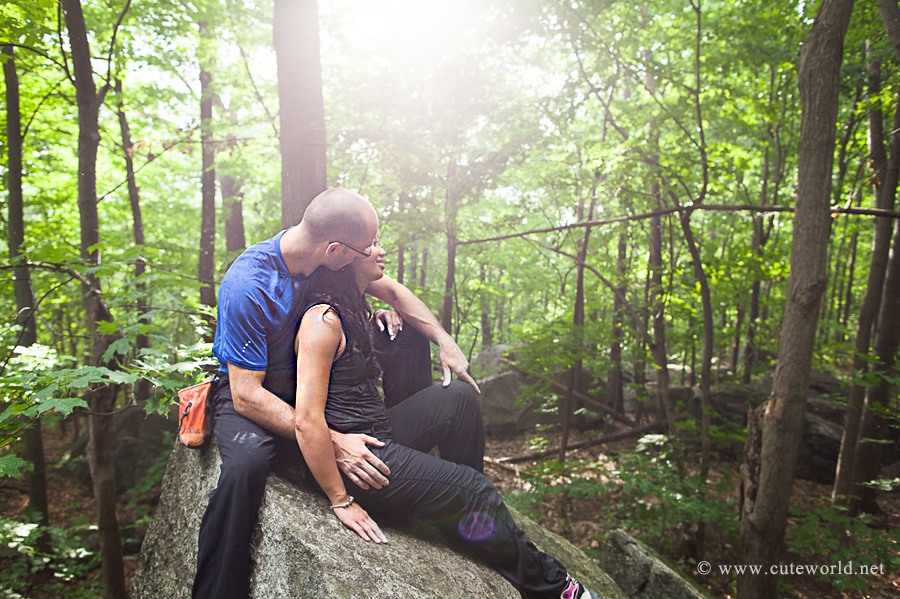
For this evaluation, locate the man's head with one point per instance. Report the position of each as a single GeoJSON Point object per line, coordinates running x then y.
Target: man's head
{"type": "Point", "coordinates": [343, 224]}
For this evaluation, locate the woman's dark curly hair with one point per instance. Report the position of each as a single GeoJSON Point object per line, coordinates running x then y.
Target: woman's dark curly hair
{"type": "Point", "coordinates": [339, 290]}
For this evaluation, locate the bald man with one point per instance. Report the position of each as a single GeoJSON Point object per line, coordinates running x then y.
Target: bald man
{"type": "Point", "coordinates": [260, 299]}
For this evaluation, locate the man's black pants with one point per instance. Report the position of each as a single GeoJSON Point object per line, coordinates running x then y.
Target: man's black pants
{"type": "Point", "coordinates": [451, 491]}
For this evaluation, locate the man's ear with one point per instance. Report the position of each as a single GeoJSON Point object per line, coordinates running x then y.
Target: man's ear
{"type": "Point", "coordinates": [332, 249]}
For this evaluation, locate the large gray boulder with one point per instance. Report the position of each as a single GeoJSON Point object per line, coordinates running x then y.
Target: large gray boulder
{"type": "Point", "coordinates": [300, 550]}
{"type": "Point", "coordinates": [501, 387]}
{"type": "Point", "coordinates": [641, 573]}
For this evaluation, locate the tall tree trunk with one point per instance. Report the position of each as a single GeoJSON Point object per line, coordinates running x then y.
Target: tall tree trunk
{"type": "Point", "coordinates": [736, 345]}
{"type": "Point", "coordinates": [142, 390]}
{"type": "Point", "coordinates": [614, 385]}
{"type": "Point", "coordinates": [848, 299]}
{"type": "Point", "coordinates": [101, 400]}
{"type": "Point", "coordinates": [885, 198]}
{"type": "Point", "coordinates": [708, 344]}
{"type": "Point", "coordinates": [401, 253]}
{"type": "Point", "coordinates": [450, 212]}
{"type": "Point", "coordinates": [413, 267]}
{"type": "Point", "coordinates": [206, 272]}
{"type": "Point", "coordinates": [774, 430]}
{"type": "Point", "coordinates": [660, 354]}
{"type": "Point", "coordinates": [867, 463]}
{"type": "Point", "coordinates": [487, 334]}
{"type": "Point", "coordinates": [422, 272]}
{"type": "Point", "coordinates": [25, 303]}
{"type": "Point", "coordinates": [232, 200]}
{"type": "Point", "coordinates": [302, 114]}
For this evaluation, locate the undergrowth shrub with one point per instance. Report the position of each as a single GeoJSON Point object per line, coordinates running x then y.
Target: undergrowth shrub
{"type": "Point", "coordinates": [59, 565]}
{"type": "Point", "coordinates": [648, 493]}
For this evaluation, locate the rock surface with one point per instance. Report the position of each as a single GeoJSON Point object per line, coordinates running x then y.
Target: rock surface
{"type": "Point", "coordinates": [501, 388]}
{"type": "Point", "coordinates": [641, 574]}
{"type": "Point", "coordinates": [300, 550]}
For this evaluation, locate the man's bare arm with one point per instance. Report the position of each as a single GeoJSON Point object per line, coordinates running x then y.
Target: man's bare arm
{"type": "Point", "coordinates": [416, 313]}
{"type": "Point", "coordinates": [267, 410]}
{"type": "Point", "coordinates": [252, 401]}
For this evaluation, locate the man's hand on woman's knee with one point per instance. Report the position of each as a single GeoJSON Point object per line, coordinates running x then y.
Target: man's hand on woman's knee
{"type": "Point", "coordinates": [356, 461]}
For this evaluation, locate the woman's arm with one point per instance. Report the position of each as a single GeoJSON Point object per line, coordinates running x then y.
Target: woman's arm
{"type": "Point", "coordinates": [318, 341]}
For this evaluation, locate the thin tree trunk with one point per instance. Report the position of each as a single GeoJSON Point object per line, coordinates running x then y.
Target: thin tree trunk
{"type": "Point", "coordinates": [660, 355]}
{"type": "Point", "coordinates": [101, 400]}
{"type": "Point", "coordinates": [708, 344]}
{"type": "Point", "coordinates": [422, 272]}
{"type": "Point", "coordinates": [413, 267]}
{"type": "Point", "coordinates": [302, 114]}
{"type": "Point", "coordinates": [206, 264]}
{"type": "Point", "coordinates": [401, 253]}
{"type": "Point", "coordinates": [142, 390]}
{"type": "Point", "coordinates": [848, 300]}
{"type": "Point", "coordinates": [736, 345]}
{"type": "Point", "coordinates": [885, 197]}
{"type": "Point", "coordinates": [450, 212]}
{"type": "Point", "coordinates": [614, 385]}
{"type": "Point", "coordinates": [867, 464]}
{"type": "Point", "coordinates": [25, 302]}
{"type": "Point", "coordinates": [487, 335]}
{"type": "Point", "coordinates": [774, 431]}
{"type": "Point", "coordinates": [232, 200]}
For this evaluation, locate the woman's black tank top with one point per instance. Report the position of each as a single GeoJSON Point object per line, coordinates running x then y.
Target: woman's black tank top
{"type": "Point", "coordinates": [354, 405]}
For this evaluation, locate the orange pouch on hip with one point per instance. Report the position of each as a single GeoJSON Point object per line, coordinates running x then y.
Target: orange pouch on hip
{"type": "Point", "coordinates": [194, 415]}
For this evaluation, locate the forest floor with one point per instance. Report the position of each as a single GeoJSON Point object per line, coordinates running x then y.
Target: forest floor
{"type": "Point", "coordinates": [583, 522]}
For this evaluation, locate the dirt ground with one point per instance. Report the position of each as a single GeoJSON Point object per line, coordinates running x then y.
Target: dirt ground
{"type": "Point", "coordinates": [584, 523]}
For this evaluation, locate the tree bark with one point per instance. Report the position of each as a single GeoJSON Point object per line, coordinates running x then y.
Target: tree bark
{"type": "Point", "coordinates": [614, 385]}
{"type": "Point", "coordinates": [101, 400]}
{"type": "Point", "coordinates": [708, 345]}
{"type": "Point", "coordinates": [302, 114]}
{"type": "Point", "coordinates": [450, 212]}
{"type": "Point", "coordinates": [867, 463]}
{"type": "Point", "coordinates": [885, 197]}
{"type": "Point", "coordinates": [25, 302]}
{"type": "Point", "coordinates": [142, 341]}
{"type": "Point", "coordinates": [232, 200]}
{"type": "Point", "coordinates": [206, 273]}
{"type": "Point", "coordinates": [773, 445]}
{"type": "Point", "coordinates": [422, 272]}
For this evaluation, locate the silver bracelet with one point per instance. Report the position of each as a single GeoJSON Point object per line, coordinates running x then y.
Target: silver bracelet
{"type": "Point", "coordinates": [347, 503]}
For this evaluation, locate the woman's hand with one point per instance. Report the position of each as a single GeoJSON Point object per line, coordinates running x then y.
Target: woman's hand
{"type": "Point", "coordinates": [355, 518]}
{"type": "Point", "coordinates": [390, 320]}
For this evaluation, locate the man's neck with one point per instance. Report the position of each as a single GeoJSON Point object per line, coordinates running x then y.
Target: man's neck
{"type": "Point", "coordinates": [299, 253]}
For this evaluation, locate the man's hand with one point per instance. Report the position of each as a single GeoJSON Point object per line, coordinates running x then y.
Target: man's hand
{"type": "Point", "coordinates": [453, 360]}
{"type": "Point", "coordinates": [390, 320]}
{"type": "Point", "coordinates": [356, 461]}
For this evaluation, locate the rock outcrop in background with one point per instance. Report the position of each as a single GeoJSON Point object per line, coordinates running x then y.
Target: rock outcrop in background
{"type": "Point", "coordinates": [300, 550]}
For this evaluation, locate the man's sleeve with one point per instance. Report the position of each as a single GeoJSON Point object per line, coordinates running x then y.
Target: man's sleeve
{"type": "Point", "coordinates": [241, 326]}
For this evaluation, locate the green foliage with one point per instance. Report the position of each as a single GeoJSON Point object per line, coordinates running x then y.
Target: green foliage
{"type": "Point", "coordinates": [830, 534]}
{"type": "Point", "coordinates": [648, 492]}
{"type": "Point", "coordinates": [61, 565]}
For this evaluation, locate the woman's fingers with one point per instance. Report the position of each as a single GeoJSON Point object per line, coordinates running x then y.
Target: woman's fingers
{"type": "Point", "coordinates": [357, 519]}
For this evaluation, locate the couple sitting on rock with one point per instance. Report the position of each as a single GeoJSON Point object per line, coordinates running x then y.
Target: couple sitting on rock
{"type": "Point", "coordinates": [298, 357]}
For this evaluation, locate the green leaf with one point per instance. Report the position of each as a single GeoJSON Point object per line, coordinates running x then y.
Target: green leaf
{"type": "Point", "coordinates": [122, 378]}
{"type": "Point", "coordinates": [119, 346]}
{"type": "Point", "coordinates": [10, 466]}
{"type": "Point", "coordinates": [107, 328]}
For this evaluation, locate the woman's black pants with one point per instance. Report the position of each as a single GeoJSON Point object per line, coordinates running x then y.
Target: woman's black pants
{"type": "Point", "coordinates": [451, 491]}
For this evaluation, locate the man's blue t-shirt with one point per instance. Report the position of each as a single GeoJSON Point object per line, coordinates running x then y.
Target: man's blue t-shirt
{"type": "Point", "coordinates": [259, 311]}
